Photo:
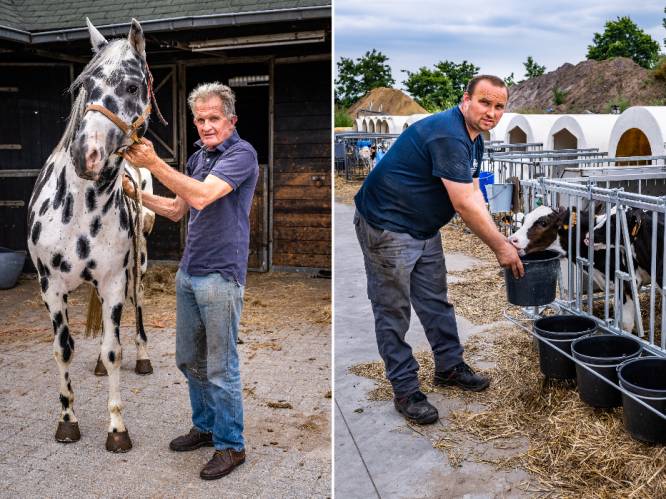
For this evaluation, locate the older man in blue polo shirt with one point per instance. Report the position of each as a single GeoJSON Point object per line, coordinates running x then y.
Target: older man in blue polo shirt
{"type": "Point", "coordinates": [217, 191]}
{"type": "Point", "coordinates": [429, 174]}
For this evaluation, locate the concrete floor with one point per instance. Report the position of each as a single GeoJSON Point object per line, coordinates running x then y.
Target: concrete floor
{"type": "Point", "coordinates": [288, 449]}
{"type": "Point", "coordinates": [376, 453]}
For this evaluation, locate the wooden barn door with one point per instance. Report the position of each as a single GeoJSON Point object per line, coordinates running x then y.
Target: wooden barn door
{"type": "Point", "coordinates": [35, 107]}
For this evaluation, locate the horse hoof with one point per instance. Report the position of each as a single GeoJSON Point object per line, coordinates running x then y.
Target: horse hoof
{"type": "Point", "coordinates": [118, 441]}
{"type": "Point", "coordinates": [100, 370]}
{"type": "Point", "coordinates": [143, 366]}
{"type": "Point", "coordinates": [67, 432]}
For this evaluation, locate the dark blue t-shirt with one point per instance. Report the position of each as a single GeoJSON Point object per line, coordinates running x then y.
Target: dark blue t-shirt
{"type": "Point", "coordinates": [404, 192]}
{"type": "Point", "coordinates": [218, 236]}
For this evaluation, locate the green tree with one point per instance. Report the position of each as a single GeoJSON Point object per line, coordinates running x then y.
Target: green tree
{"type": "Point", "coordinates": [510, 80]}
{"type": "Point", "coordinates": [441, 87]}
{"type": "Point", "coordinates": [623, 38]}
{"type": "Point", "coordinates": [355, 79]}
{"type": "Point", "coordinates": [532, 69]}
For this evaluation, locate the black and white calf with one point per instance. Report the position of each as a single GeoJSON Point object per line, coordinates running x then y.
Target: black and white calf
{"type": "Point", "coordinates": [80, 228]}
{"type": "Point", "coordinates": [546, 228]}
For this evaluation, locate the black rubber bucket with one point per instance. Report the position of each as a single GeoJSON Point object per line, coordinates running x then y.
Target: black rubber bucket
{"type": "Point", "coordinates": [646, 378]}
{"type": "Point", "coordinates": [561, 330]}
{"type": "Point", "coordinates": [538, 285]}
{"type": "Point", "coordinates": [602, 353]}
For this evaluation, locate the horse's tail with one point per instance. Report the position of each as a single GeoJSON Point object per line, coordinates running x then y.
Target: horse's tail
{"type": "Point", "coordinates": [94, 318]}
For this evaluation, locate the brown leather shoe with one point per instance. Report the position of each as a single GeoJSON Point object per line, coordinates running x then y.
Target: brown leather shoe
{"type": "Point", "coordinates": [193, 440]}
{"type": "Point", "coordinates": [222, 463]}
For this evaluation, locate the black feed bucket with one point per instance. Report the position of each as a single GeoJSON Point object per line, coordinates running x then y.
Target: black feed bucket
{"type": "Point", "coordinates": [602, 353]}
{"type": "Point", "coordinates": [538, 285]}
{"type": "Point", "coordinates": [561, 330]}
{"type": "Point", "coordinates": [646, 378]}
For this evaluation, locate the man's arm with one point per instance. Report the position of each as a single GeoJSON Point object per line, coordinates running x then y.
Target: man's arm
{"type": "Point", "coordinates": [172, 208]}
{"type": "Point", "coordinates": [195, 193]}
{"type": "Point", "coordinates": [468, 201]}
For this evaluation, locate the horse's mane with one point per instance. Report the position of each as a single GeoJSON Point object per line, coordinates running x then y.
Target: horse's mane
{"type": "Point", "coordinates": [75, 115]}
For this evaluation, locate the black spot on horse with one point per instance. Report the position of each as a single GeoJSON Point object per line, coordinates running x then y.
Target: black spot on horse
{"type": "Point", "coordinates": [143, 258]}
{"type": "Point", "coordinates": [116, 313]}
{"type": "Point", "coordinates": [91, 199]}
{"type": "Point", "coordinates": [110, 103]}
{"type": "Point", "coordinates": [68, 209]}
{"type": "Point", "coordinates": [64, 401]}
{"type": "Point", "coordinates": [95, 226]}
{"type": "Point", "coordinates": [124, 219]}
{"type": "Point", "coordinates": [142, 332]}
{"type": "Point", "coordinates": [95, 93]}
{"type": "Point", "coordinates": [67, 377]}
{"type": "Point", "coordinates": [107, 205]}
{"type": "Point", "coordinates": [65, 267]}
{"type": "Point", "coordinates": [44, 283]}
{"type": "Point", "coordinates": [58, 319]}
{"type": "Point", "coordinates": [86, 275]}
{"type": "Point", "coordinates": [117, 333]}
{"type": "Point", "coordinates": [61, 189]}
{"type": "Point", "coordinates": [126, 259]}
{"type": "Point", "coordinates": [95, 283]}
{"type": "Point", "coordinates": [91, 264]}
{"type": "Point", "coordinates": [112, 357]}
{"type": "Point", "coordinates": [36, 230]}
{"type": "Point", "coordinates": [82, 247]}
{"type": "Point", "coordinates": [45, 206]}
{"type": "Point", "coordinates": [65, 417]}
{"type": "Point", "coordinates": [40, 267]}
{"type": "Point", "coordinates": [114, 79]}
{"type": "Point", "coordinates": [56, 260]}
{"type": "Point", "coordinates": [126, 281]}
{"type": "Point", "coordinates": [143, 184]}
{"type": "Point", "coordinates": [44, 176]}
{"type": "Point", "coordinates": [69, 386]}
{"type": "Point", "coordinates": [64, 297]}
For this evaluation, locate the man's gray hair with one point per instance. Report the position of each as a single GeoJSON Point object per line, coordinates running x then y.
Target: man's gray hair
{"type": "Point", "coordinates": [205, 91]}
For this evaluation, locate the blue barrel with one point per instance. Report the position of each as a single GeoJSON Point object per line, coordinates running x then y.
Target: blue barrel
{"type": "Point", "coordinates": [485, 178]}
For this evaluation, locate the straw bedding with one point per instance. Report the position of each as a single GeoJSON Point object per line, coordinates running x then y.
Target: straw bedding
{"type": "Point", "coordinates": [541, 426]}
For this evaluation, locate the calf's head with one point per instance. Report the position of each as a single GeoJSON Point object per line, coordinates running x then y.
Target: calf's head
{"type": "Point", "coordinates": [540, 230]}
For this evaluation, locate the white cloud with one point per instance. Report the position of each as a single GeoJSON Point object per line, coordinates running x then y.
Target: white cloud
{"type": "Point", "coordinates": [497, 36]}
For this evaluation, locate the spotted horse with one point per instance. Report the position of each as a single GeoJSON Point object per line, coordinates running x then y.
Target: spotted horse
{"type": "Point", "coordinates": [79, 226]}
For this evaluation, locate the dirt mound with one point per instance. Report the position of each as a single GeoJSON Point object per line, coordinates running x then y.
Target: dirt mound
{"type": "Point", "coordinates": [387, 101]}
{"type": "Point", "coordinates": [592, 86]}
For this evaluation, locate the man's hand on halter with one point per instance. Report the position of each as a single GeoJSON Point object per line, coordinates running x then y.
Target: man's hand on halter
{"type": "Point", "coordinates": [142, 154]}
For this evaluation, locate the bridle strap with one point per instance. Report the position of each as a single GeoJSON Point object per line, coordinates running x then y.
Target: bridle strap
{"type": "Point", "coordinates": [129, 130]}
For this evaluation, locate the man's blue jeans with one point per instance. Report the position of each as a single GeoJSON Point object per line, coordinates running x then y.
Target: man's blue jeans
{"type": "Point", "coordinates": [208, 312]}
{"type": "Point", "coordinates": [403, 272]}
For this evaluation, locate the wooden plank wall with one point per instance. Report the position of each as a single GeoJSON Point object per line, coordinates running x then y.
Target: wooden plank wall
{"type": "Point", "coordinates": [302, 165]}
{"type": "Point", "coordinates": [35, 109]}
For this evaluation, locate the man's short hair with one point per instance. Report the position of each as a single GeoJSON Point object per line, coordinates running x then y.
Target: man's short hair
{"type": "Point", "coordinates": [205, 91]}
{"type": "Point", "coordinates": [494, 80]}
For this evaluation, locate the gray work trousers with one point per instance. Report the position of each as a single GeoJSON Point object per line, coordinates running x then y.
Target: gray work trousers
{"type": "Point", "coordinates": [404, 272]}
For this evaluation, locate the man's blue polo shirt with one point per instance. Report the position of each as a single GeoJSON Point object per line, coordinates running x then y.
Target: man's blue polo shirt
{"type": "Point", "coordinates": [218, 236]}
{"type": "Point", "coordinates": [404, 192]}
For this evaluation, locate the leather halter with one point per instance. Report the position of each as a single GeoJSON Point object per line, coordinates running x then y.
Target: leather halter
{"type": "Point", "coordinates": [129, 130]}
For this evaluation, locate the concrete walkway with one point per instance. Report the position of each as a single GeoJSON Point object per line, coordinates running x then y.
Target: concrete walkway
{"type": "Point", "coordinates": [288, 448]}
{"type": "Point", "coordinates": [376, 453]}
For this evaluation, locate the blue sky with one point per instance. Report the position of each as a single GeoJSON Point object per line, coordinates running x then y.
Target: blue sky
{"type": "Point", "coordinates": [497, 36]}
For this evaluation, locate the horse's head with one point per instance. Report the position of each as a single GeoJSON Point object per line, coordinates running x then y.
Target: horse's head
{"type": "Point", "coordinates": [116, 79]}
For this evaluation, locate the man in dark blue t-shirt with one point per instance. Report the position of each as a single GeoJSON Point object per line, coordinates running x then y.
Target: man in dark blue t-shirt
{"type": "Point", "coordinates": [429, 174]}
{"type": "Point", "coordinates": [217, 191]}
